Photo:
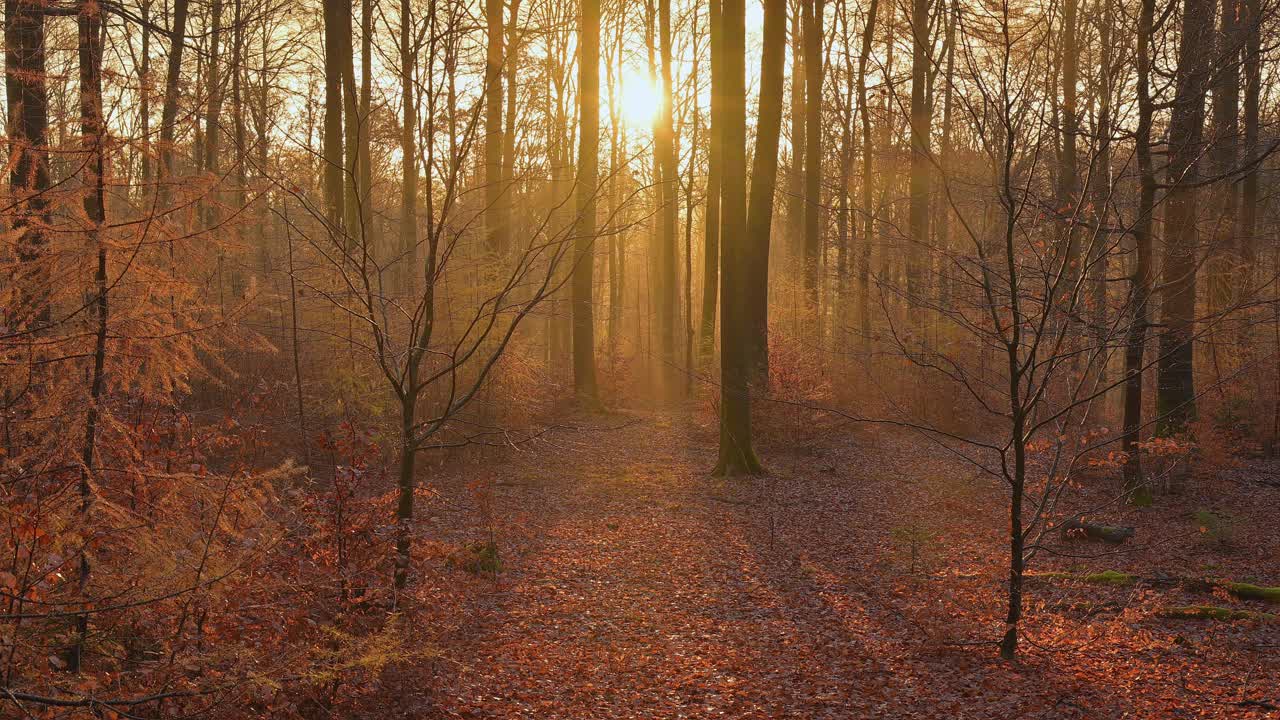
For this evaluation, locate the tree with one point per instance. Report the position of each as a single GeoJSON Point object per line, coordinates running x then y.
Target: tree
{"type": "Point", "coordinates": [496, 213]}
{"type": "Point", "coordinates": [813, 70]}
{"type": "Point", "coordinates": [711, 221]}
{"type": "Point", "coordinates": [332, 147]}
{"type": "Point", "coordinates": [737, 453]}
{"type": "Point", "coordinates": [28, 124]}
{"type": "Point", "coordinates": [764, 173]}
{"type": "Point", "coordinates": [1175, 400]}
{"type": "Point", "coordinates": [921, 149]}
{"type": "Point", "coordinates": [584, 346]}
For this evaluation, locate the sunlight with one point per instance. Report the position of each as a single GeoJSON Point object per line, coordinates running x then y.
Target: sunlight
{"type": "Point", "coordinates": [639, 99]}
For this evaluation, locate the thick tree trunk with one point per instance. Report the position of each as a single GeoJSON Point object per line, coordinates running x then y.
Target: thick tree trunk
{"type": "Point", "coordinates": [764, 173]}
{"type": "Point", "coordinates": [28, 127]}
{"type": "Point", "coordinates": [584, 345]}
{"type": "Point", "coordinates": [737, 454]}
{"type": "Point", "coordinates": [332, 143]}
{"type": "Point", "coordinates": [1176, 385]}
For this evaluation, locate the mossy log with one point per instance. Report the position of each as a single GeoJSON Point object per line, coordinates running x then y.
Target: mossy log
{"type": "Point", "coordinates": [1114, 534]}
{"type": "Point", "coordinates": [1253, 592]}
{"type": "Point", "coordinates": [1106, 577]}
{"type": "Point", "coordinates": [1211, 612]}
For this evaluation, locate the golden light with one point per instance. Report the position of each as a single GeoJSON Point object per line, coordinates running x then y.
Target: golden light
{"type": "Point", "coordinates": [639, 99]}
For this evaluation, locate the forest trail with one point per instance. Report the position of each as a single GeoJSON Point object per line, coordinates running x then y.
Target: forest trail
{"type": "Point", "coordinates": [635, 586]}
{"type": "Point", "coordinates": [652, 591]}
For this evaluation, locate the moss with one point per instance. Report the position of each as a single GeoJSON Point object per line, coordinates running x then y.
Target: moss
{"type": "Point", "coordinates": [1141, 497]}
{"type": "Point", "coordinates": [1209, 612]}
{"type": "Point", "coordinates": [1106, 577]}
{"type": "Point", "coordinates": [1110, 577]}
{"type": "Point", "coordinates": [1253, 592]}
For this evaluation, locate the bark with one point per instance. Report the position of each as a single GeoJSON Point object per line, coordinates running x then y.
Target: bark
{"type": "Point", "coordinates": [737, 454]}
{"type": "Point", "coordinates": [711, 221]}
{"type": "Point", "coordinates": [1068, 170]}
{"type": "Point", "coordinates": [665, 147]}
{"type": "Point", "coordinates": [28, 127]}
{"type": "Point", "coordinates": [764, 172]}
{"type": "Point", "coordinates": [921, 171]}
{"type": "Point", "coordinates": [408, 148]}
{"type": "Point", "coordinates": [1252, 30]}
{"type": "Point", "coordinates": [512, 64]}
{"type": "Point", "coordinates": [364, 159]}
{"type": "Point", "coordinates": [1141, 280]}
{"type": "Point", "coordinates": [495, 215]}
{"type": "Point", "coordinates": [213, 107]}
{"type": "Point", "coordinates": [799, 127]}
{"type": "Point", "coordinates": [332, 144]}
{"type": "Point", "coordinates": [93, 129]}
{"type": "Point", "coordinates": [943, 233]}
{"type": "Point", "coordinates": [868, 184]}
{"type": "Point", "coordinates": [1249, 196]}
{"type": "Point", "coordinates": [584, 347]}
{"type": "Point", "coordinates": [1175, 402]}
{"type": "Point", "coordinates": [813, 70]}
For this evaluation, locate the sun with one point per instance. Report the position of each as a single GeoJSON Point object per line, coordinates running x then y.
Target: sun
{"type": "Point", "coordinates": [639, 99]}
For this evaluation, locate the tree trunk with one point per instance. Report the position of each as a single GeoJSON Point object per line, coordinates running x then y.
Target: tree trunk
{"type": "Point", "coordinates": [332, 144]}
{"type": "Point", "coordinates": [213, 113]}
{"type": "Point", "coordinates": [867, 185]}
{"type": "Point", "coordinates": [764, 172]}
{"type": "Point", "coordinates": [408, 149]}
{"type": "Point", "coordinates": [93, 128]}
{"type": "Point", "coordinates": [799, 126]}
{"type": "Point", "coordinates": [1251, 24]}
{"type": "Point", "coordinates": [813, 145]}
{"type": "Point", "coordinates": [711, 217]}
{"type": "Point", "coordinates": [584, 345]}
{"type": "Point", "coordinates": [1140, 284]}
{"type": "Point", "coordinates": [665, 147]}
{"type": "Point", "coordinates": [921, 171]}
{"type": "Point", "coordinates": [495, 218]}
{"type": "Point", "coordinates": [1176, 385]}
{"type": "Point", "coordinates": [737, 455]}
{"type": "Point", "coordinates": [364, 159]}
{"type": "Point", "coordinates": [28, 127]}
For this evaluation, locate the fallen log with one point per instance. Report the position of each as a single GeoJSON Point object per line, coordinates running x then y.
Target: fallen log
{"type": "Point", "coordinates": [1253, 592]}
{"type": "Point", "coordinates": [1114, 534]}
{"type": "Point", "coordinates": [1211, 612]}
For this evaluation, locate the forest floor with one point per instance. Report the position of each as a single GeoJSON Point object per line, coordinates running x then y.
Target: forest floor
{"type": "Point", "coordinates": [864, 577]}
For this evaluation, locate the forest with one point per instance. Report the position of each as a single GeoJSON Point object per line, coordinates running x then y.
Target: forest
{"type": "Point", "coordinates": [640, 359]}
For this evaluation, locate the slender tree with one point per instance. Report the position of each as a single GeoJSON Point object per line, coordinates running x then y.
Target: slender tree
{"type": "Point", "coordinates": [764, 172]}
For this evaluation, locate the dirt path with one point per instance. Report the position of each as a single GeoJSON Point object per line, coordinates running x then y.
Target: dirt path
{"type": "Point", "coordinates": [634, 586]}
